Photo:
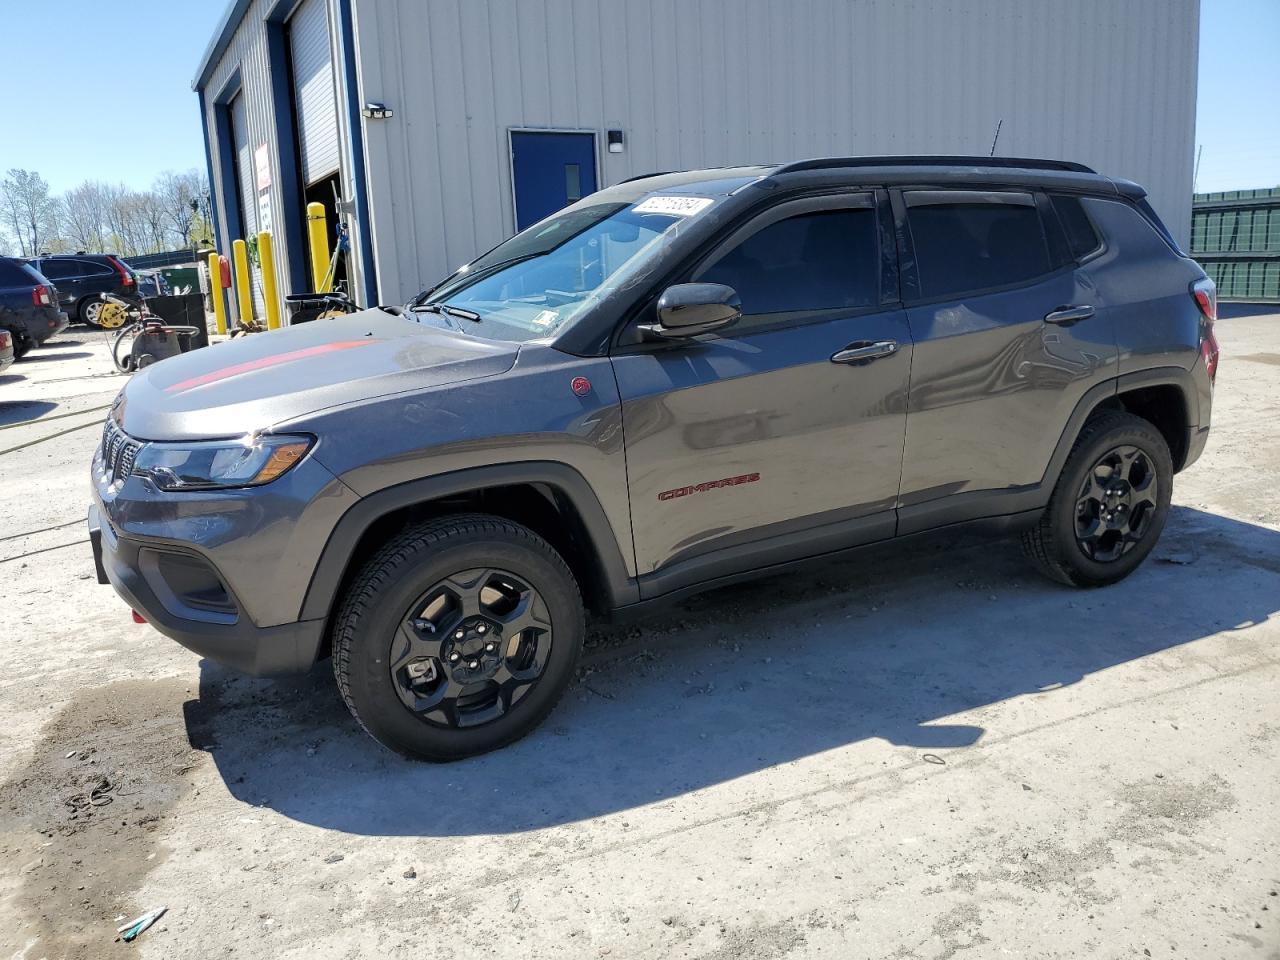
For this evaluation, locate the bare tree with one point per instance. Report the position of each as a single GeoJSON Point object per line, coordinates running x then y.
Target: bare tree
{"type": "Point", "coordinates": [28, 210]}
{"type": "Point", "coordinates": [84, 216]}
{"type": "Point", "coordinates": [181, 195]}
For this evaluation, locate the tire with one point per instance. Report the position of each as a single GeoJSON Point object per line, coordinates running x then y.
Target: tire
{"type": "Point", "coordinates": [87, 312]}
{"type": "Point", "coordinates": [21, 346]}
{"type": "Point", "coordinates": [394, 590]}
{"type": "Point", "coordinates": [1054, 545]}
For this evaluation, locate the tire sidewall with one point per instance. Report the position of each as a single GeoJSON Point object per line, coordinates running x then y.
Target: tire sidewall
{"type": "Point", "coordinates": [371, 688]}
{"type": "Point", "coordinates": [1149, 441]}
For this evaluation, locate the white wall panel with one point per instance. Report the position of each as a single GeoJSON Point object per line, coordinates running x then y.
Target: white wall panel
{"type": "Point", "coordinates": [711, 82]}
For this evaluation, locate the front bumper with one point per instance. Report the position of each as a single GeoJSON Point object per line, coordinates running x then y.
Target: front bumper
{"type": "Point", "coordinates": [227, 636]}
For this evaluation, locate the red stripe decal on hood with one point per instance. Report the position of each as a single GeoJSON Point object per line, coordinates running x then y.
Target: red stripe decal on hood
{"type": "Point", "coordinates": [264, 362]}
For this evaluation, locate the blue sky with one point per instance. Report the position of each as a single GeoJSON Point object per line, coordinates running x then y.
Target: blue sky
{"type": "Point", "coordinates": [117, 103]}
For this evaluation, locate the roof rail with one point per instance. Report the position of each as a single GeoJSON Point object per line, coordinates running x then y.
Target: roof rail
{"type": "Point", "coordinates": [831, 163]}
{"type": "Point", "coordinates": [646, 176]}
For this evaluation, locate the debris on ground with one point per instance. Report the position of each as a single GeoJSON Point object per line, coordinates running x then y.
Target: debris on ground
{"type": "Point", "coordinates": [333, 858]}
{"type": "Point", "coordinates": [410, 874]}
{"type": "Point", "coordinates": [131, 930]}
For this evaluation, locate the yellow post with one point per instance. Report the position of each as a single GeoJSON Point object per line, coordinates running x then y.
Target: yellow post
{"type": "Point", "coordinates": [216, 293]}
{"type": "Point", "coordinates": [244, 299]}
{"type": "Point", "coordinates": [266, 260]}
{"type": "Point", "coordinates": [318, 232]}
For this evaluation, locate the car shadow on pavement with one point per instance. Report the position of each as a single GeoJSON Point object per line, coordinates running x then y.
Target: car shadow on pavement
{"type": "Point", "coordinates": [50, 357]}
{"type": "Point", "coordinates": [888, 645]}
{"type": "Point", "coordinates": [23, 411]}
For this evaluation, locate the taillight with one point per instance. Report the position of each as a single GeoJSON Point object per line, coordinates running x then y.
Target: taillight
{"type": "Point", "coordinates": [4, 340]}
{"type": "Point", "coordinates": [40, 296]}
{"type": "Point", "coordinates": [1205, 293]}
{"type": "Point", "coordinates": [126, 278]}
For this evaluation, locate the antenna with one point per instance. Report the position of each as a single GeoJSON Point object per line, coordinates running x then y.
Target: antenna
{"type": "Point", "coordinates": [1195, 176]}
{"type": "Point", "coordinates": [999, 124]}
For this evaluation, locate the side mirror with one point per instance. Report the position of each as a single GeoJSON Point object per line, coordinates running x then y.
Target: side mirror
{"type": "Point", "coordinates": [689, 309]}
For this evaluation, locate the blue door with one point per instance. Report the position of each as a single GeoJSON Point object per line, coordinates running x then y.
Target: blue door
{"type": "Point", "coordinates": [551, 171]}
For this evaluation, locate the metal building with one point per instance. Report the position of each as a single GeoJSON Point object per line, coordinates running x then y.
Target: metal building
{"type": "Point", "coordinates": [446, 125]}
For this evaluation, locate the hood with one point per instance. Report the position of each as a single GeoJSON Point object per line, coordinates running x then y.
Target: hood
{"type": "Point", "coordinates": [255, 381]}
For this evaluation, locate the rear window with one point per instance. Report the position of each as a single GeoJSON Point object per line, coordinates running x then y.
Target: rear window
{"type": "Point", "coordinates": [59, 269]}
{"type": "Point", "coordinates": [1082, 238]}
{"type": "Point", "coordinates": [964, 245]}
{"type": "Point", "coordinates": [14, 274]}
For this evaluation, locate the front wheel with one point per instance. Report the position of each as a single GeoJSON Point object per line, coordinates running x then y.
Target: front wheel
{"type": "Point", "coordinates": [459, 636]}
{"type": "Point", "coordinates": [1109, 505]}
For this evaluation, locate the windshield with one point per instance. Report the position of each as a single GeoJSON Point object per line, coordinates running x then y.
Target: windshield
{"type": "Point", "coordinates": [542, 279]}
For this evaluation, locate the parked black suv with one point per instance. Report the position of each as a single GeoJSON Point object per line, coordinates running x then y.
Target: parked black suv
{"type": "Point", "coordinates": [28, 306]}
{"type": "Point", "coordinates": [82, 276]}
{"type": "Point", "coordinates": [674, 383]}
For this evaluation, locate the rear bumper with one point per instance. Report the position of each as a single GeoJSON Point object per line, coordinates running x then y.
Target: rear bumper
{"type": "Point", "coordinates": [50, 323]}
{"type": "Point", "coordinates": [229, 638]}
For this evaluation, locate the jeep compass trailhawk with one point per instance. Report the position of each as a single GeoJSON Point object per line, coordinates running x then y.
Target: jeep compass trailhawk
{"type": "Point", "coordinates": [678, 381]}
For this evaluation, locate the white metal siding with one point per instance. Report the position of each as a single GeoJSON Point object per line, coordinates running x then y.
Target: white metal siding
{"type": "Point", "coordinates": [709, 82]}
{"type": "Point", "coordinates": [313, 90]}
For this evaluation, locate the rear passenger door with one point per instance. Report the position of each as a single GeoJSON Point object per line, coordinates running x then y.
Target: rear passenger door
{"type": "Point", "coordinates": [781, 436]}
{"type": "Point", "coordinates": [1008, 337]}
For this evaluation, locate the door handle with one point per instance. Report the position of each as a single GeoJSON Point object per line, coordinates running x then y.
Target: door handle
{"type": "Point", "coordinates": [1065, 316]}
{"type": "Point", "coordinates": [861, 350]}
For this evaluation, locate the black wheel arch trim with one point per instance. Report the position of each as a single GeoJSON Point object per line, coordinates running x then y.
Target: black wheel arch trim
{"type": "Point", "coordinates": [321, 597]}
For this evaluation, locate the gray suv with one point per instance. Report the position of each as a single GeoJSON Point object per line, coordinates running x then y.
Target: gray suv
{"type": "Point", "coordinates": [677, 382]}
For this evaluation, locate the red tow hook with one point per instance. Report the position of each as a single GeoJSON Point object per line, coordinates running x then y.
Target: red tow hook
{"type": "Point", "coordinates": [137, 617]}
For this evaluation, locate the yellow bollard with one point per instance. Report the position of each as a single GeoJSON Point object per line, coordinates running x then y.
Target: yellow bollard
{"type": "Point", "coordinates": [266, 260]}
{"type": "Point", "coordinates": [244, 299]}
{"type": "Point", "coordinates": [318, 233]}
{"type": "Point", "coordinates": [216, 293]}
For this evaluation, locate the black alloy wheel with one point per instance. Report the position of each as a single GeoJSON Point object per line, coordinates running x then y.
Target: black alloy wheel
{"type": "Point", "coordinates": [458, 636]}
{"type": "Point", "coordinates": [471, 648]}
{"type": "Point", "coordinates": [1116, 504]}
{"type": "Point", "coordinates": [1109, 504]}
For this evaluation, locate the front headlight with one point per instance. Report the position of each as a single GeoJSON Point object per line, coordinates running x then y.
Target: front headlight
{"type": "Point", "coordinates": [215, 464]}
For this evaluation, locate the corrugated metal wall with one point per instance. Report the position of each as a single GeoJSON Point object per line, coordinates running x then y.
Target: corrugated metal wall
{"type": "Point", "coordinates": [709, 82]}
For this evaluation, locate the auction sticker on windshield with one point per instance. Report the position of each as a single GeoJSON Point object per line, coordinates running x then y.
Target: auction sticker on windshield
{"type": "Point", "coordinates": [673, 206]}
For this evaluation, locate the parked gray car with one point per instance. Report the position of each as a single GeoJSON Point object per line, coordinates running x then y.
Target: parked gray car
{"type": "Point", "coordinates": [677, 382]}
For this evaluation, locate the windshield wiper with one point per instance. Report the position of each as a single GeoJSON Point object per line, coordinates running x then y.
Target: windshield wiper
{"type": "Point", "coordinates": [446, 310]}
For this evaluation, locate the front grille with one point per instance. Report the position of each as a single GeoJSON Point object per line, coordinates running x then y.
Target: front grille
{"type": "Point", "coordinates": [118, 452]}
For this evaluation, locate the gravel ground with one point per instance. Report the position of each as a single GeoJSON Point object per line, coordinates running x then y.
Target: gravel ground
{"type": "Point", "coordinates": [927, 754]}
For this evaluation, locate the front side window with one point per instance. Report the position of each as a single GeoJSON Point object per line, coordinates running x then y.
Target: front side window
{"type": "Point", "coordinates": [824, 260]}
{"type": "Point", "coordinates": [966, 244]}
{"type": "Point", "coordinates": [543, 279]}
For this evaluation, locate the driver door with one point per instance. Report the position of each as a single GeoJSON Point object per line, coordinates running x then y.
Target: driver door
{"type": "Point", "coordinates": [779, 437]}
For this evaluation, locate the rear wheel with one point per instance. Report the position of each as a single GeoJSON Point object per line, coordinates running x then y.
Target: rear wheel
{"type": "Point", "coordinates": [89, 311]}
{"type": "Point", "coordinates": [1109, 505]}
{"type": "Point", "coordinates": [458, 637]}
{"type": "Point", "coordinates": [21, 346]}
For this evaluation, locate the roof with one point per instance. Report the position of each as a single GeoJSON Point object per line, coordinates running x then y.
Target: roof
{"type": "Point", "coordinates": [221, 39]}
{"type": "Point", "coordinates": [895, 169]}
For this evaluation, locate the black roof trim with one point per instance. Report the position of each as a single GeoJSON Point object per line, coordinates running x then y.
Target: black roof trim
{"type": "Point", "coordinates": [646, 176]}
{"type": "Point", "coordinates": [1013, 163]}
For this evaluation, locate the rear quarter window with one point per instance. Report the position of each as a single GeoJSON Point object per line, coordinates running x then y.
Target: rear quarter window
{"type": "Point", "coordinates": [1082, 237]}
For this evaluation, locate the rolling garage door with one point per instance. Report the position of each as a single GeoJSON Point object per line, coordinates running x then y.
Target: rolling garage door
{"type": "Point", "coordinates": [248, 190]}
{"type": "Point", "coordinates": [313, 90]}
